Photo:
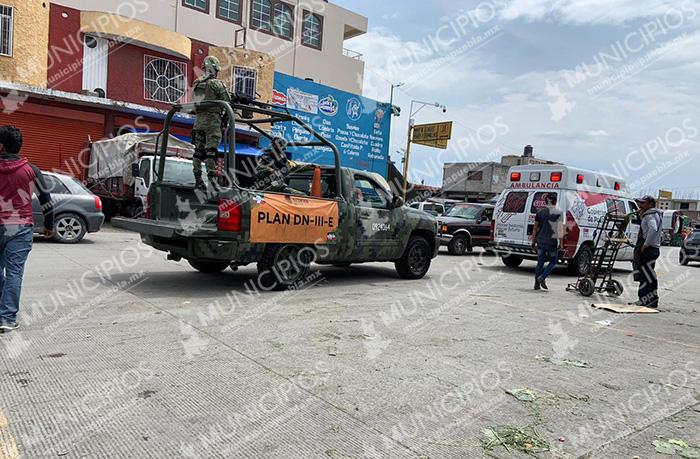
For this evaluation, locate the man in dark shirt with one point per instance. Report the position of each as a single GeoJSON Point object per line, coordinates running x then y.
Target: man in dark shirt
{"type": "Point", "coordinates": [545, 238]}
{"type": "Point", "coordinates": [18, 180]}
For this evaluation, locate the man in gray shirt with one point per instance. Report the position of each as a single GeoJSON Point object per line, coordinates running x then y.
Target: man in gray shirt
{"type": "Point", "coordinates": [648, 247]}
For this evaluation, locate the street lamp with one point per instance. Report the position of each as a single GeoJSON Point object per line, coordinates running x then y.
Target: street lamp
{"type": "Point", "coordinates": [395, 110]}
{"type": "Point", "coordinates": [411, 124]}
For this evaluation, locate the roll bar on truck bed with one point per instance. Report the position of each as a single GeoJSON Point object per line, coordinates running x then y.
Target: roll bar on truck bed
{"type": "Point", "coordinates": [270, 114]}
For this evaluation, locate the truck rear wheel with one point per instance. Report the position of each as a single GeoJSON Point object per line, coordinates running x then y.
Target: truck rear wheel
{"type": "Point", "coordinates": [512, 261]}
{"type": "Point", "coordinates": [209, 267]}
{"type": "Point", "coordinates": [284, 265]}
{"type": "Point", "coordinates": [415, 261]}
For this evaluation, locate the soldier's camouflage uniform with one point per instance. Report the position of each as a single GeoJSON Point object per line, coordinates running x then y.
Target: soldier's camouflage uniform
{"type": "Point", "coordinates": [206, 133]}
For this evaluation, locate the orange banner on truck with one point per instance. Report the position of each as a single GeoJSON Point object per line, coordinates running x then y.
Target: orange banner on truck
{"type": "Point", "coordinates": [292, 219]}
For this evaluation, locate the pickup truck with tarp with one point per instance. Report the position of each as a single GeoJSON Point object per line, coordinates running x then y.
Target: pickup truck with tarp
{"type": "Point", "coordinates": [326, 214]}
{"type": "Point", "coordinates": [120, 169]}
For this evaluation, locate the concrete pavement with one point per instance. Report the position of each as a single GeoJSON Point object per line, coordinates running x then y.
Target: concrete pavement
{"type": "Point", "coordinates": [123, 354]}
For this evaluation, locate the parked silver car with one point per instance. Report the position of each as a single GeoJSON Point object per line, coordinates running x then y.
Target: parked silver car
{"type": "Point", "coordinates": [76, 210]}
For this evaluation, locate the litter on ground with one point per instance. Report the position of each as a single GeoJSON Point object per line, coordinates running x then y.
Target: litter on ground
{"type": "Point", "coordinates": [512, 438]}
{"type": "Point", "coordinates": [672, 447]}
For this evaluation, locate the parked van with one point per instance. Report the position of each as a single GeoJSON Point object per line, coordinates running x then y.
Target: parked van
{"type": "Point", "coordinates": [584, 198]}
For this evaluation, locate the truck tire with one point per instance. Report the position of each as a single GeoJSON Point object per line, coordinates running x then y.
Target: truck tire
{"type": "Point", "coordinates": [69, 228]}
{"type": "Point", "coordinates": [458, 245]}
{"type": "Point", "coordinates": [512, 261]}
{"type": "Point", "coordinates": [580, 265]}
{"type": "Point", "coordinates": [209, 267]}
{"type": "Point", "coordinates": [284, 265]}
{"type": "Point", "coordinates": [416, 259]}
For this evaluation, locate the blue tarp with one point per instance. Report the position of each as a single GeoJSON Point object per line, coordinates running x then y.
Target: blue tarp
{"type": "Point", "coordinates": [241, 148]}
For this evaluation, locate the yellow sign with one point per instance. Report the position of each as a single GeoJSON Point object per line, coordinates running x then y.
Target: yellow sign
{"type": "Point", "coordinates": [442, 144]}
{"type": "Point", "coordinates": [432, 132]}
{"type": "Point", "coordinates": [294, 220]}
{"type": "Point", "coordinates": [665, 194]}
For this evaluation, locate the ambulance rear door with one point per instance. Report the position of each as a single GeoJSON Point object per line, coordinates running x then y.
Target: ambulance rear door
{"type": "Point", "coordinates": [538, 201]}
{"type": "Point", "coordinates": [511, 218]}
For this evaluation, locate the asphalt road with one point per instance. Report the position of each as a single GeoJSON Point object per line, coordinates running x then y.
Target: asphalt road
{"type": "Point", "coordinates": [123, 354]}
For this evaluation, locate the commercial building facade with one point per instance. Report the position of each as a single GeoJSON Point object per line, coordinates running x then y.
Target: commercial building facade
{"type": "Point", "coordinates": [483, 181]}
{"type": "Point", "coordinates": [76, 71]}
{"type": "Point", "coordinates": [688, 207]}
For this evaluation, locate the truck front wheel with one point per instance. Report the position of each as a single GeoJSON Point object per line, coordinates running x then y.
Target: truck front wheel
{"type": "Point", "coordinates": [209, 267]}
{"type": "Point", "coordinates": [415, 261]}
{"type": "Point", "coordinates": [284, 265]}
{"type": "Point", "coordinates": [458, 245]}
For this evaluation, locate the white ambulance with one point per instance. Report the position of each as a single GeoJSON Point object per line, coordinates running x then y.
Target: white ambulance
{"type": "Point", "coordinates": [584, 198]}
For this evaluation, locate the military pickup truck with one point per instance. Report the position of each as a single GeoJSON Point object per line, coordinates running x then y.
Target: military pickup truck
{"type": "Point", "coordinates": [327, 214]}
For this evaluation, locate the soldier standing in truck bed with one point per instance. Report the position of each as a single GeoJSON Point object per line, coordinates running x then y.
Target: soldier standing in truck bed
{"type": "Point", "coordinates": [206, 133]}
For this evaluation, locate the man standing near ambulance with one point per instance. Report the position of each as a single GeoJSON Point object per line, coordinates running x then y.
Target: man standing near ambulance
{"type": "Point", "coordinates": [648, 247]}
{"type": "Point", "coordinates": [545, 238]}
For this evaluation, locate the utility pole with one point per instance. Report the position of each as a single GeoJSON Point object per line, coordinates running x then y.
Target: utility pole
{"type": "Point", "coordinates": [391, 100]}
{"type": "Point", "coordinates": [406, 157]}
{"type": "Point", "coordinates": [411, 125]}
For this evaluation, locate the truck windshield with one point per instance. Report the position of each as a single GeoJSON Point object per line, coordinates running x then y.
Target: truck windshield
{"type": "Point", "coordinates": [177, 171]}
{"type": "Point", "coordinates": [468, 212]}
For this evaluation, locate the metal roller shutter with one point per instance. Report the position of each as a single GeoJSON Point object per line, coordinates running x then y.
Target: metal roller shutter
{"type": "Point", "coordinates": [54, 143]}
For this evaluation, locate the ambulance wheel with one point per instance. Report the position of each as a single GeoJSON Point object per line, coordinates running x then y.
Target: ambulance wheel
{"type": "Point", "coordinates": [586, 287]}
{"type": "Point", "coordinates": [580, 265]}
{"type": "Point", "coordinates": [415, 261]}
{"type": "Point", "coordinates": [283, 266]}
{"type": "Point", "coordinates": [512, 261]}
{"type": "Point", "coordinates": [458, 245]}
{"type": "Point", "coordinates": [615, 288]}
{"type": "Point", "coordinates": [209, 267]}
{"type": "Point", "coordinates": [683, 259]}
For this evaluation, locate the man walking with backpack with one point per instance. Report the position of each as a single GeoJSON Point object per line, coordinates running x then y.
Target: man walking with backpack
{"type": "Point", "coordinates": [18, 180]}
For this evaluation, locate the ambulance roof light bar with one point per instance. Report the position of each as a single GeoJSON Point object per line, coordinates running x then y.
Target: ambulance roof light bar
{"type": "Point", "coordinates": [515, 176]}
{"type": "Point", "coordinates": [555, 177]}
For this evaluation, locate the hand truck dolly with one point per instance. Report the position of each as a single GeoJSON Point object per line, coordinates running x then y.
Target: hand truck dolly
{"type": "Point", "coordinates": [609, 238]}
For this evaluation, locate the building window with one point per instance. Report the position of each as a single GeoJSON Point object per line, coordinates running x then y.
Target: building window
{"type": "Point", "coordinates": [164, 80]}
{"type": "Point", "coordinates": [477, 176]}
{"type": "Point", "coordinates": [229, 10]}
{"type": "Point", "coordinates": [273, 16]}
{"type": "Point", "coordinates": [685, 206]}
{"type": "Point", "coordinates": [245, 82]}
{"type": "Point", "coordinates": [199, 5]}
{"type": "Point", "coordinates": [312, 32]}
{"type": "Point", "coordinates": [261, 15]}
{"type": "Point", "coordinates": [6, 17]}
{"type": "Point", "coordinates": [283, 22]}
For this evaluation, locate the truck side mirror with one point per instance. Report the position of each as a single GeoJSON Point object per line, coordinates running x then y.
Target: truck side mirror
{"type": "Point", "coordinates": [396, 202]}
{"type": "Point", "coordinates": [135, 170]}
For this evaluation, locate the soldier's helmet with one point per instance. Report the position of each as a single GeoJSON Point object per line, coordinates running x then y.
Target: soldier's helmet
{"type": "Point", "coordinates": [211, 65]}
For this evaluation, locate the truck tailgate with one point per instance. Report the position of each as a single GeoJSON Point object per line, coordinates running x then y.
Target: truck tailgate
{"type": "Point", "coordinates": [162, 228]}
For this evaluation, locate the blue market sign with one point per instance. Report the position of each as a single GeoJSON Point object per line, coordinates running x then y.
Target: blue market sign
{"type": "Point", "coordinates": [358, 126]}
